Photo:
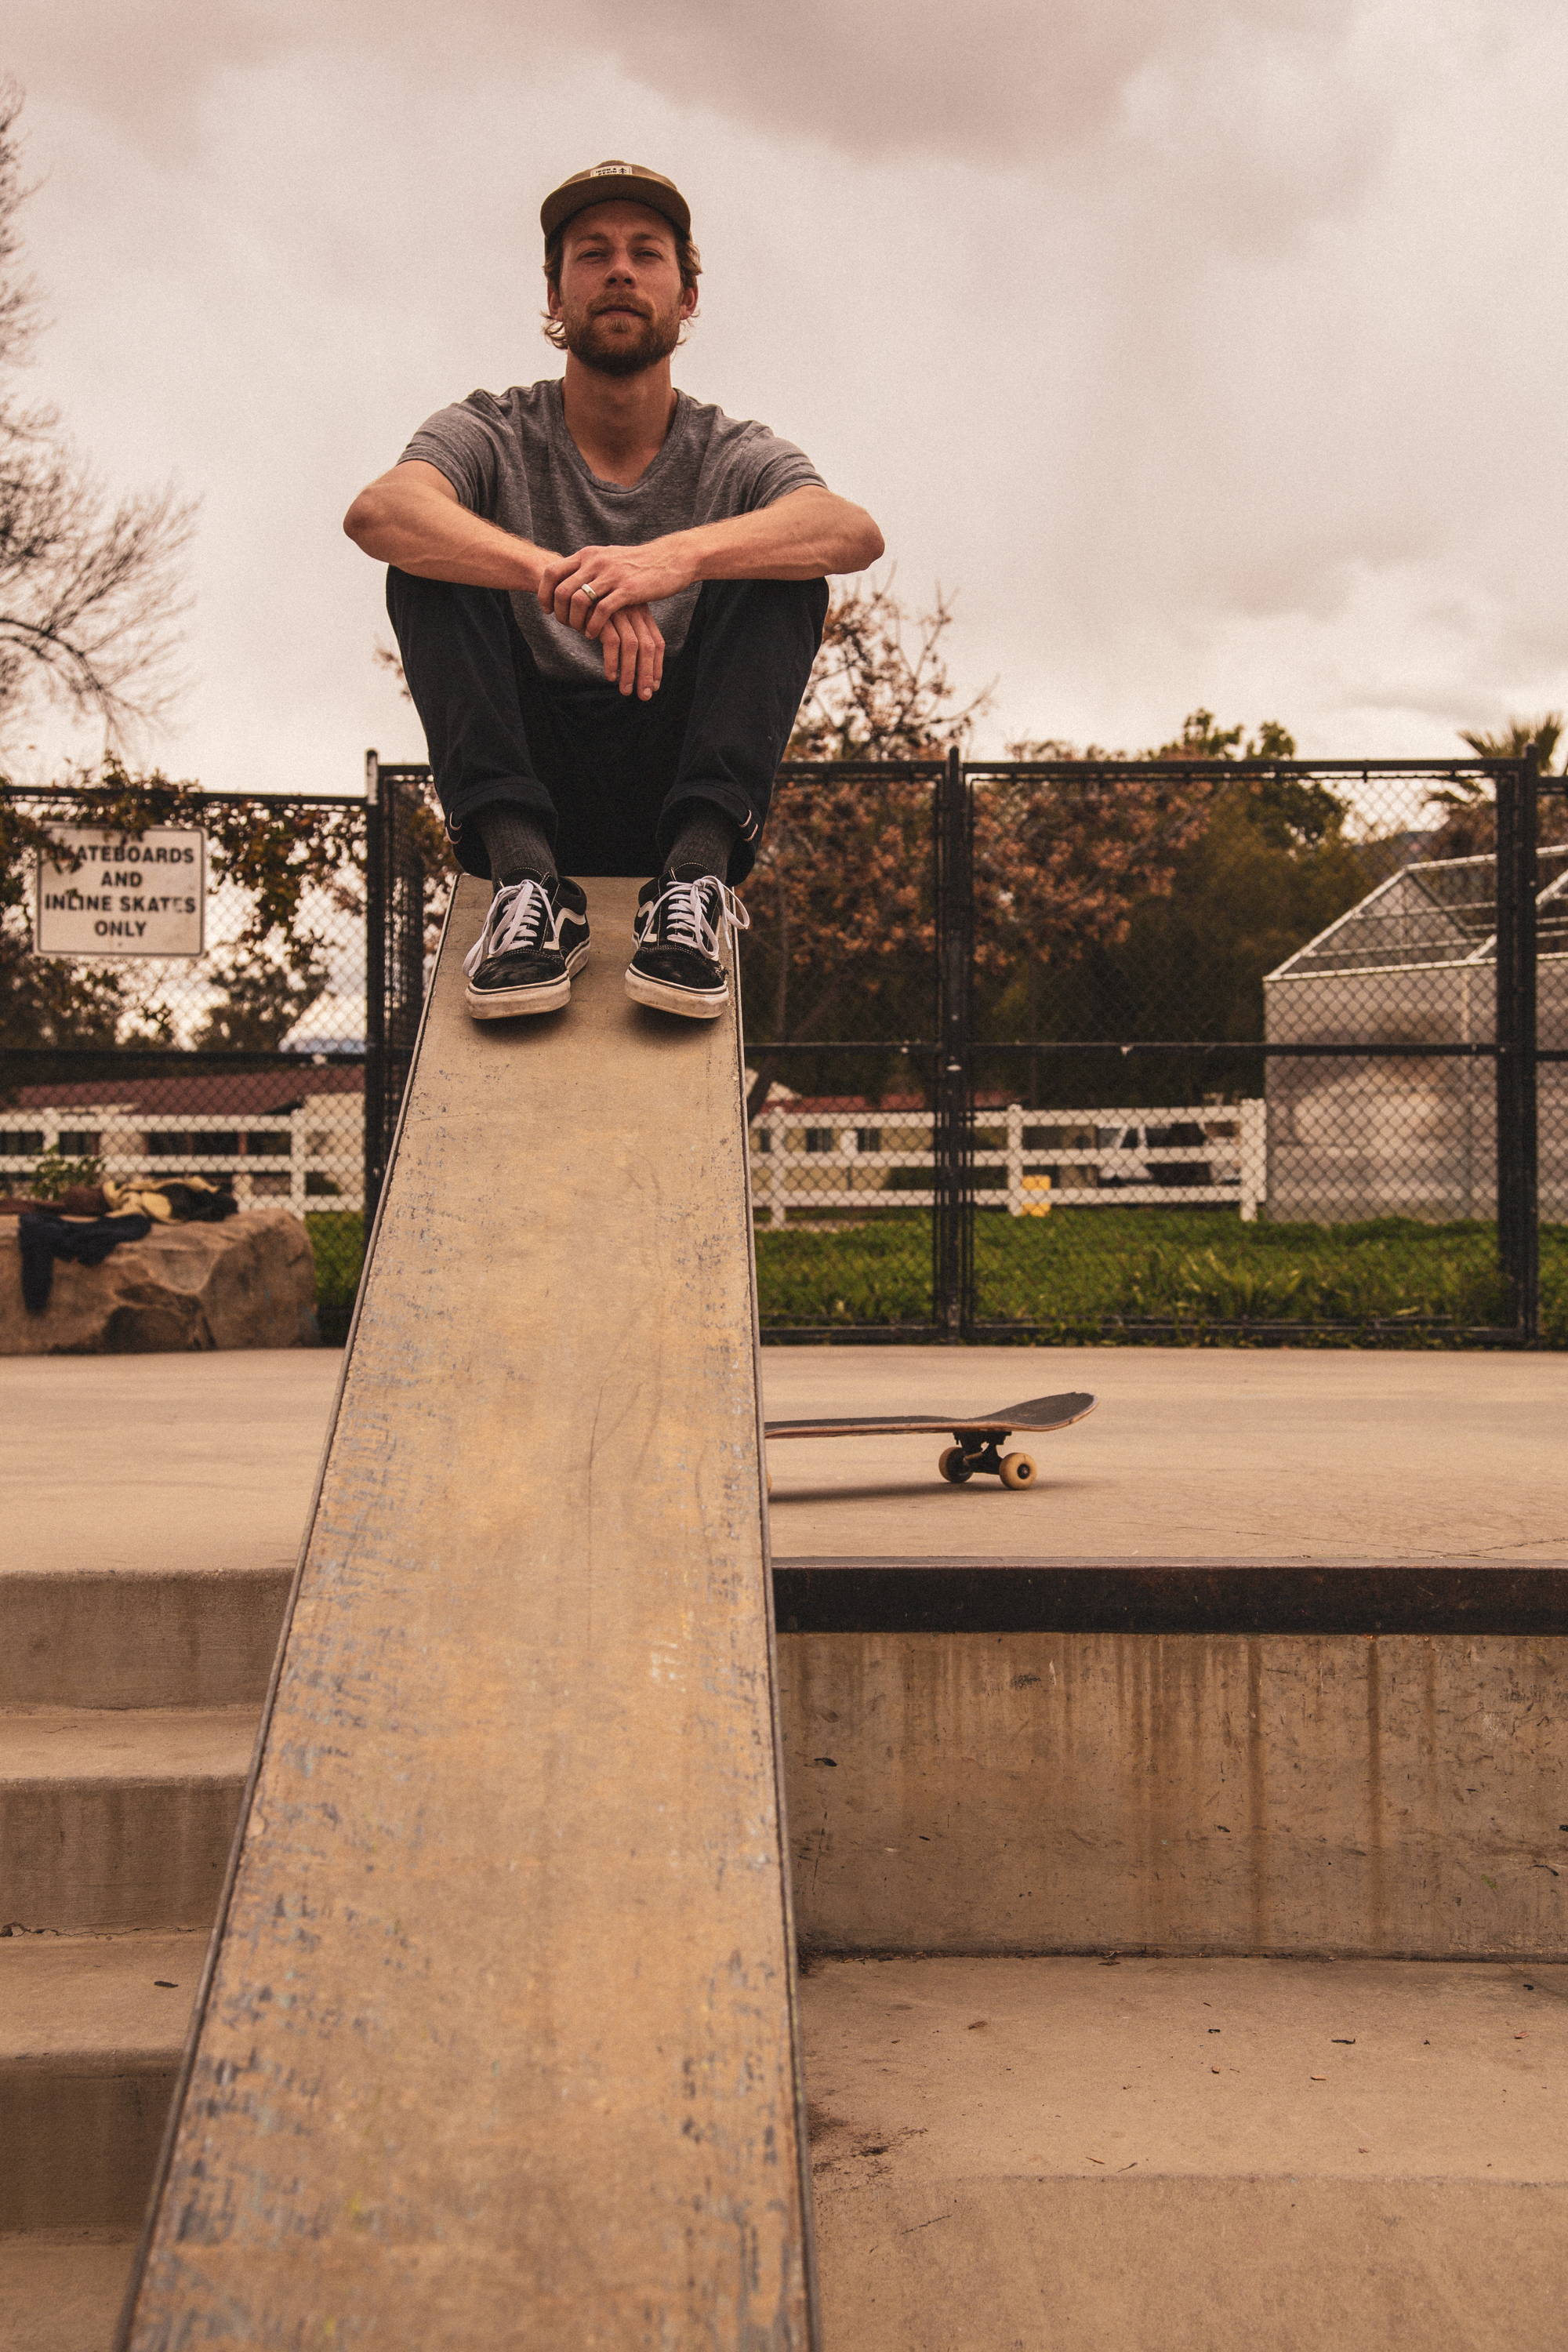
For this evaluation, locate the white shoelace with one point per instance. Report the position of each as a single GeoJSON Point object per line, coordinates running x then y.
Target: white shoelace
{"type": "Point", "coordinates": [520, 916]}
{"type": "Point", "coordinates": [696, 915]}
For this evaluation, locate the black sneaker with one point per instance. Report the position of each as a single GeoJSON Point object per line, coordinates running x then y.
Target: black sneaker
{"type": "Point", "coordinates": [535, 937]}
{"type": "Point", "coordinates": [684, 923]}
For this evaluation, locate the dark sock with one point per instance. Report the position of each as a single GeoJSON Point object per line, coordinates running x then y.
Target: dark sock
{"type": "Point", "coordinates": [515, 843]}
{"type": "Point", "coordinates": [705, 842]}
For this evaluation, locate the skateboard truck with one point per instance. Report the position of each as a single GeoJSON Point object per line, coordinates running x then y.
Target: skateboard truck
{"type": "Point", "coordinates": [976, 1449]}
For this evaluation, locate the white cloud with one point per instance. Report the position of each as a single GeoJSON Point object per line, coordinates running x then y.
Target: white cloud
{"type": "Point", "coordinates": [1208, 351]}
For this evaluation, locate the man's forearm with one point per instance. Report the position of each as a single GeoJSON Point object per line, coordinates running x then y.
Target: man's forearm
{"type": "Point", "coordinates": [803, 536]}
{"type": "Point", "coordinates": [435, 538]}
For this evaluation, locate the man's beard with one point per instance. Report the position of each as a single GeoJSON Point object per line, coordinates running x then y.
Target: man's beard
{"type": "Point", "coordinates": [611, 352]}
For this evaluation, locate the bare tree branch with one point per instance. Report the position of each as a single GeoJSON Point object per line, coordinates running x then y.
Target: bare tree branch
{"type": "Point", "coordinates": [89, 603]}
{"type": "Point", "coordinates": [880, 688]}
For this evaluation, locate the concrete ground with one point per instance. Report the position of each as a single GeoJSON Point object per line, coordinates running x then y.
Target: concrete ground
{"type": "Point", "coordinates": [1318, 2155]}
{"type": "Point", "coordinates": [1361, 2069]}
{"type": "Point", "coordinates": [976, 2121]}
{"type": "Point", "coordinates": [61, 2294]}
{"type": "Point", "coordinates": [1193, 1453]}
{"type": "Point", "coordinates": [204, 1462]}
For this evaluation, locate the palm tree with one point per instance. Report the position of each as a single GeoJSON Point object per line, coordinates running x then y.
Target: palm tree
{"type": "Point", "coordinates": [1469, 827]}
{"type": "Point", "coordinates": [1519, 739]}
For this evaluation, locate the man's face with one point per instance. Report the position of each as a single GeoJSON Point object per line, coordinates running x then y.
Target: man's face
{"type": "Point", "coordinates": [620, 297]}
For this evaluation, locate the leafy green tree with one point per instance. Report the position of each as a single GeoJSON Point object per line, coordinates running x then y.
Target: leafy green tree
{"type": "Point", "coordinates": [840, 898]}
{"type": "Point", "coordinates": [263, 998]}
{"type": "Point", "coordinates": [1243, 864]}
{"type": "Point", "coordinates": [1271, 868]}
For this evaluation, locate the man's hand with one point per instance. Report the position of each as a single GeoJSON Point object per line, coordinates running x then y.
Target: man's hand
{"type": "Point", "coordinates": [801, 535]}
{"type": "Point", "coordinates": [633, 645]}
{"type": "Point", "coordinates": [626, 581]}
{"type": "Point", "coordinates": [621, 576]}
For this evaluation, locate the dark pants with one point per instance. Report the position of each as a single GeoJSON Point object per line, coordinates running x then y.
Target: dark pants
{"type": "Point", "coordinates": [605, 773]}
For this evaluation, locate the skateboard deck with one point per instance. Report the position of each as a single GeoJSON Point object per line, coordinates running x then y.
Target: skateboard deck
{"type": "Point", "coordinates": [975, 1436]}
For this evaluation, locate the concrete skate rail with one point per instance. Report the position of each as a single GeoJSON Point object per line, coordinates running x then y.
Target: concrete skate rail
{"type": "Point", "coordinates": [499, 2044]}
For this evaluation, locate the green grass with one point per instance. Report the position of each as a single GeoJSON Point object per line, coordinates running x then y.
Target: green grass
{"type": "Point", "coordinates": [337, 1237]}
{"type": "Point", "coordinates": [1084, 1274]}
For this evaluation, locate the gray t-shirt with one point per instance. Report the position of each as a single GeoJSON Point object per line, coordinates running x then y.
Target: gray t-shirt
{"type": "Point", "coordinates": [510, 458]}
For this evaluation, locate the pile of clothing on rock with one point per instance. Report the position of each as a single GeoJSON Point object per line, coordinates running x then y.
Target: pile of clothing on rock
{"type": "Point", "coordinates": [88, 1221]}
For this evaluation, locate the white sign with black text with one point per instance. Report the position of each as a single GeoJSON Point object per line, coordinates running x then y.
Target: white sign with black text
{"type": "Point", "coordinates": [143, 897]}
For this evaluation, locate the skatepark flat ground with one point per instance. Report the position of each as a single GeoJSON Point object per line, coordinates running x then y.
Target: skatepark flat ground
{"type": "Point", "coordinates": [207, 1462]}
{"type": "Point", "coordinates": [1297, 2154]}
{"type": "Point", "coordinates": [1389, 2130]}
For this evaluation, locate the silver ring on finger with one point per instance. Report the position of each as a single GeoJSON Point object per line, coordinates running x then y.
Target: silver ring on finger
{"type": "Point", "coordinates": [588, 590]}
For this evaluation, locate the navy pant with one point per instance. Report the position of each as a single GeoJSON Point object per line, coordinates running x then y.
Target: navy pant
{"type": "Point", "coordinates": [605, 772]}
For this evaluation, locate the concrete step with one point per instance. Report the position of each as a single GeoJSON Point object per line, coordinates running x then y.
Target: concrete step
{"type": "Point", "coordinates": [152, 1509]}
{"type": "Point", "coordinates": [1188, 2156]}
{"type": "Point", "coordinates": [140, 1637]}
{"type": "Point", "coordinates": [62, 2292]}
{"type": "Point", "coordinates": [119, 1818]}
{"type": "Point", "coordinates": [92, 2029]}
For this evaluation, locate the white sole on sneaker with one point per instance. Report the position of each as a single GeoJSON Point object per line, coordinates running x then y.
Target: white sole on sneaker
{"type": "Point", "coordinates": [691, 1003]}
{"type": "Point", "coordinates": [508, 1004]}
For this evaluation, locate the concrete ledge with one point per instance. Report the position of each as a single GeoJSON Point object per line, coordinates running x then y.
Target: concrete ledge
{"type": "Point", "coordinates": [1072, 1792]}
{"type": "Point", "coordinates": [125, 1639]}
{"type": "Point", "coordinates": [131, 1638]}
{"type": "Point", "coordinates": [897, 1594]}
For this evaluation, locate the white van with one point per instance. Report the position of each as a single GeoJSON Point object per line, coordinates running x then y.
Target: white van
{"type": "Point", "coordinates": [1178, 1154]}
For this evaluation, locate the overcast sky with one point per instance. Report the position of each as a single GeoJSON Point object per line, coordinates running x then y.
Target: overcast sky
{"type": "Point", "coordinates": [1206, 350]}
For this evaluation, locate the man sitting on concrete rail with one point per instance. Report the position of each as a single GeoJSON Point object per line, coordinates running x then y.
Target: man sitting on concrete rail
{"type": "Point", "coordinates": [609, 598]}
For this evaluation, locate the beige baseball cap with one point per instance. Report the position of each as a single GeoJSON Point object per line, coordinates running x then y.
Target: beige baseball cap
{"type": "Point", "coordinates": [614, 182]}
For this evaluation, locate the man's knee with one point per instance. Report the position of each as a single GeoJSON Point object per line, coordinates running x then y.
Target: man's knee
{"type": "Point", "coordinates": [444, 607]}
{"type": "Point", "coordinates": [787, 614]}
{"type": "Point", "coordinates": [792, 596]}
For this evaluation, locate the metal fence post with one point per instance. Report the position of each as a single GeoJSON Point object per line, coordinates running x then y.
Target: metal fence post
{"type": "Point", "coordinates": [952, 1137]}
{"type": "Point", "coordinates": [375, 896]}
{"type": "Point", "coordinates": [1519, 1239]}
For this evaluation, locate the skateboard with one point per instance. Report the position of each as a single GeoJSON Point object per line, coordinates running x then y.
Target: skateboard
{"type": "Point", "coordinates": [975, 1438]}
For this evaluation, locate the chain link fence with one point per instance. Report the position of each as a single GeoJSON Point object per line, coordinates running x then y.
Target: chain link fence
{"type": "Point", "coordinates": [841, 1003]}
{"type": "Point", "coordinates": [213, 986]}
{"type": "Point", "coordinates": [1243, 1050]}
{"type": "Point", "coordinates": [1068, 1050]}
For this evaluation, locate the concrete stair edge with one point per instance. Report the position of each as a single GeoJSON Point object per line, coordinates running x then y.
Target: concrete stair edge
{"type": "Point", "coordinates": [138, 1638]}
{"type": "Point", "coordinates": [118, 1818]}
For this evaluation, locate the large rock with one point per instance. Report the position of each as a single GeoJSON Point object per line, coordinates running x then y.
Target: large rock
{"type": "Point", "coordinates": [249, 1283]}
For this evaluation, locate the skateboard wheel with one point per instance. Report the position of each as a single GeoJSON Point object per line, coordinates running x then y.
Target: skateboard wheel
{"type": "Point", "coordinates": [1018, 1470]}
{"type": "Point", "coordinates": [953, 1466]}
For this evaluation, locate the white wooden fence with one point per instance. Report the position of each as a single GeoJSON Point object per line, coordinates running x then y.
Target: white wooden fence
{"type": "Point", "coordinates": [1026, 1161]}
{"type": "Point", "coordinates": [308, 1158]}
